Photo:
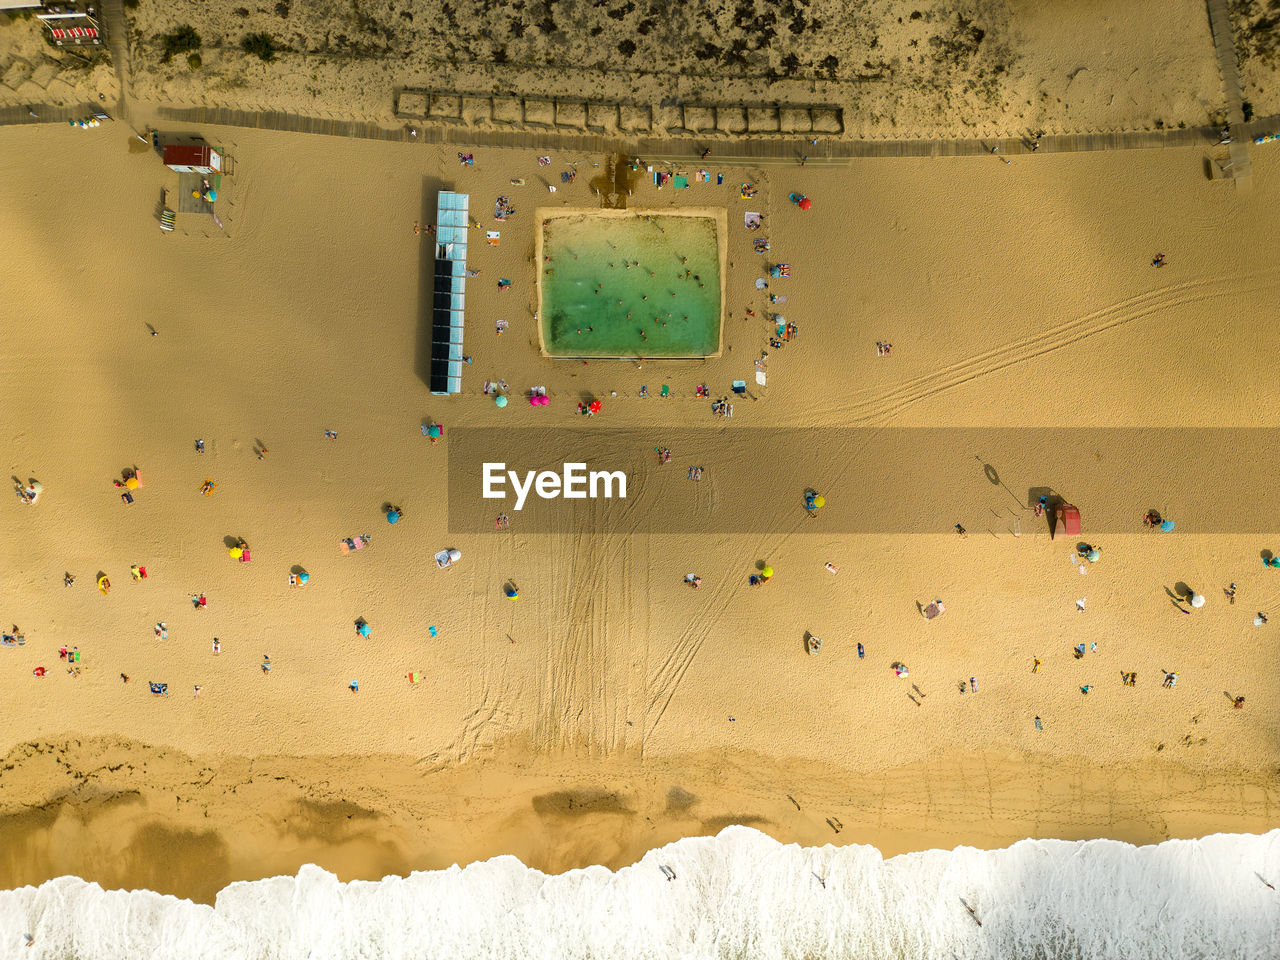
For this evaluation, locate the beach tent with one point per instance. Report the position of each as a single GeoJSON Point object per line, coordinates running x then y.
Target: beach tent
{"type": "Point", "coordinates": [1066, 521]}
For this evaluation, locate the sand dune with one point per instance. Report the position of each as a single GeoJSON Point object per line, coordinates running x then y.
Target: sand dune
{"type": "Point", "coordinates": [895, 69]}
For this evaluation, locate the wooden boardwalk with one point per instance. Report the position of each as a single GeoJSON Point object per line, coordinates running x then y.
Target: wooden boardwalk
{"type": "Point", "coordinates": [1229, 66]}
{"type": "Point", "coordinates": [759, 152]}
{"type": "Point", "coordinates": [117, 26]}
{"type": "Point", "coordinates": [683, 150]}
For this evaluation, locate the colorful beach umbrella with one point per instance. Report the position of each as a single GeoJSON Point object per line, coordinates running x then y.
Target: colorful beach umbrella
{"type": "Point", "coordinates": [434, 430]}
{"type": "Point", "coordinates": [767, 572]}
{"type": "Point", "coordinates": [236, 553]}
{"type": "Point", "coordinates": [362, 629]}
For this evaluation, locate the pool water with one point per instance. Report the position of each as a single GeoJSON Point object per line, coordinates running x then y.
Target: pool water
{"type": "Point", "coordinates": [607, 289]}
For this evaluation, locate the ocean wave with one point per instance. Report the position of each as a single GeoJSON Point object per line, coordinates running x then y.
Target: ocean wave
{"type": "Point", "coordinates": [740, 894]}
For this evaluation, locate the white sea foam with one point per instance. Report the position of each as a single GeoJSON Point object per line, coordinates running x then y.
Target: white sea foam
{"type": "Point", "coordinates": [737, 895]}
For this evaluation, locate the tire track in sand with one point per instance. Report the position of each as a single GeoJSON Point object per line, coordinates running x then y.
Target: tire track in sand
{"type": "Point", "coordinates": [582, 697]}
{"type": "Point", "coordinates": [665, 680]}
{"type": "Point", "coordinates": [1066, 334]}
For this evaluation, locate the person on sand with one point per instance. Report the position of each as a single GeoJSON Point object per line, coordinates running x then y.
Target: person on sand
{"type": "Point", "coordinates": [961, 530]}
{"type": "Point", "coordinates": [1238, 703]}
{"type": "Point", "coordinates": [217, 645]}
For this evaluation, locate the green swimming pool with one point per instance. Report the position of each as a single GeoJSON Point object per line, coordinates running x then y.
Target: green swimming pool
{"type": "Point", "coordinates": [630, 284]}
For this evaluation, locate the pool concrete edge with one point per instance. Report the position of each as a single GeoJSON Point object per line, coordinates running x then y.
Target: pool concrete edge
{"type": "Point", "coordinates": [720, 215]}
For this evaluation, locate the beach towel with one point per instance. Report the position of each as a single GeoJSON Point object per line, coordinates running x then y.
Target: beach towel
{"type": "Point", "coordinates": [159, 688]}
{"type": "Point", "coordinates": [208, 487]}
{"type": "Point", "coordinates": [752, 219]}
{"type": "Point", "coordinates": [666, 390]}
{"type": "Point", "coordinates": [740, 386]}
{"type": "Point", "coordinates": [492, 237]}
{"type": "Point", "coordinates": [760, 378]}
{"type": "Point", "coordinates": [680, 181]}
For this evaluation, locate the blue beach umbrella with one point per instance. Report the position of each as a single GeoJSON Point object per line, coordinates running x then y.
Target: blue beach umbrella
{"type": "Point", "coordinates": [393, 516]}
{"type": "Point", "coordinates": [500, 401]}
{"type": "Point", "coordinates": [1167, 525]}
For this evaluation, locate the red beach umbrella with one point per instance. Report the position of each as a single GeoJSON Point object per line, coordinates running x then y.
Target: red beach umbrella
{"type": "Point", "coordinates": [594, 406]}
{"type": "Point", "coordinates": [805, 203]}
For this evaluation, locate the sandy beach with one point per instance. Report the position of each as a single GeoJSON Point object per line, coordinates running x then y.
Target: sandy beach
{"type": "Point", "coordinates": [611, 708]}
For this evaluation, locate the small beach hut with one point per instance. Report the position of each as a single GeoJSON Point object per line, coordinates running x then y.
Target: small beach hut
{"type": "Point", "coordinates": [1066, 521]}
{"type": "Point", "coordinates": [192, 158]}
